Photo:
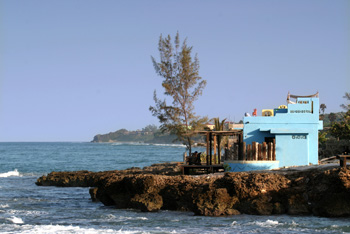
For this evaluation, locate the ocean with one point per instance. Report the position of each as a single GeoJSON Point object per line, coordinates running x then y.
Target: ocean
{"type": "Point", "coordinates": [27, 208]}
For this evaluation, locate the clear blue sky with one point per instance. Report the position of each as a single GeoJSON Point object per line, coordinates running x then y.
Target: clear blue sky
{"type": "Point", "coordinates": [72, 69]}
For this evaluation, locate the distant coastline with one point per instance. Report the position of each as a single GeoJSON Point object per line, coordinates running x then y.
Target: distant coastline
{"type": "Point", "coordinates": [149, 134]}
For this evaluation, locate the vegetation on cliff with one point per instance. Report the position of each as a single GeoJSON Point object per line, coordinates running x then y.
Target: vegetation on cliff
{"type": "Point", "coordinates": [149, 134]}
{"type": "Point", "coordinates": [331, 118]}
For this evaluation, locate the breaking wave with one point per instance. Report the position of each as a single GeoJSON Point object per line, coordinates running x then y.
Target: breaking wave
{"type": "Point", "coordinates": [43, 229]}
{"type": "Point", "coordinates": [15, 220]}
{"type": "Point", "coordinates": [171, 145]}
{"type": "Point", "coordinates": [268, 223]}
{"type": "Point", "coordinates": [142, 143]}
{"type": "Point", "coordinates": [10, 173]}
{"type": "Point", "coordinates": [4, 206]}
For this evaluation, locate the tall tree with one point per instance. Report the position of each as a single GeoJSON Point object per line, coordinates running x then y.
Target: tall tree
{"type": "Point", "coordinates": [323, 107]}
{"type": "Point", "coordinates": [346, 106]}
{"type": "Point", "coordinates": [182, 86]}
{"type": "Point", "coordinates": [332, 117]}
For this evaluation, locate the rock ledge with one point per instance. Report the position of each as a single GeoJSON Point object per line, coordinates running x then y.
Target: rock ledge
{"type": "Point", "coordinates": [317, 191]}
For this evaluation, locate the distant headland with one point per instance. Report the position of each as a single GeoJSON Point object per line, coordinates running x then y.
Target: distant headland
{"type": "Point", "coordinates": [148, 134]}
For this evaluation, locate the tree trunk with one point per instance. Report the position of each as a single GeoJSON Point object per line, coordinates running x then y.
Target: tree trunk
{"type": "Point", "coordinates": [189, 146]}
{"type": "Point", "coordinates": [219, 149]}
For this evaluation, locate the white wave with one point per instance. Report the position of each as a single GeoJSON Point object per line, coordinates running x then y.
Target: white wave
{"type": "Point", "coordinates": [34, 213]}
{"type": "Point", "coordinates": [36, 174]}
{"type": "Point", "coordinates": [171, 145]}
{"type": "Point", "coordinates": [123, 218]}
{"type": "Point", "coordinates": [10, 173]}
{"type": "Point", "coordinates": [129, 143]}
{"type": "Point", "coordinates": [26, 212]}
{"type": "Point", "coordinates": [234, 223]}
{"type": "Point", "coordinates": [145, 144]}
{"type": "Point", "coordinates": [117, 143]}
{"type": "Point", "coordinates": [4, 206]}
{"type": "Point", "coordinates": [294, 223]}
{"type": "Point", "coordinates": [15, 220]}
{"type": "Point", "coordinates": [110, 217]}
{"type": "Point", "coordinates": [267, 223]}
{"type": "Point", "coordinates": [44, 229]}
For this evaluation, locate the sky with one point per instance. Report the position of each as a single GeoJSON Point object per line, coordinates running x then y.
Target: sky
{"type": "Point", "coordinates": [72, 69]}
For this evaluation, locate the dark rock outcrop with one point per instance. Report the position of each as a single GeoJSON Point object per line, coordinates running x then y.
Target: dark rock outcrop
{"type": "Point", "coordinates": [320, 191]}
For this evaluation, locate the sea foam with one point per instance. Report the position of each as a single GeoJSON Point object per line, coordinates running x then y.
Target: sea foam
{"type": "Point", "coordinates": [4, 206]}
{"type": "Point", "coordinates": [146, 144]}
{"type": "Point", "coordinates": [10, 173]}
{"type": "Point", "coordinates": [15, 220]}
{"type": "Point", "coordinates": [171, 145]}
{"type": "Point", "coordinates": [267, 223]}
{"type": "Point", "coordinates": [43, 229]}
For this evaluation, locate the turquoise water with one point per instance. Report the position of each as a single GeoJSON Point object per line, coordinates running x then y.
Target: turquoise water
{"type": "Point", "coordinates": [27, 208]}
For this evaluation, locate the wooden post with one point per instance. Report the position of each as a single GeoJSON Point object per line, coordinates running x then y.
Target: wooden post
{"type": "Point", "coordinates": [255, 151]}
{"type": "Point", "coordinates": [208, 148]}
{"type": "Point", "coordinates": [216, 150]}
{"type": "Point", "coordinates": [269, 150]}
{"type": "Point", "coordinates": [219, 149]}
{"type": "Point", "coordinates": [264, 151]}
{"type": "Point", "coordinates": [236, 154]}
{"type": "Point", "coordinates": [249, 152]}
{"type": "Point", "coordinates": [260, 157]}
{"type": "Point", "coordinates": [274, 150]}
{"type": "Point", "coordinates": [244, 151]}
{"type": "Point", "coordinates": [240, 147]}
{"type": "Point", "coordinates": [214, 144]}
{"type": "Point", "coordinates": [240, 151]}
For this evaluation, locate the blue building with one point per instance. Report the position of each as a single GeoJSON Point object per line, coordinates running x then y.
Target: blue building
{"type": "Point", "coordinates": [290, 132]}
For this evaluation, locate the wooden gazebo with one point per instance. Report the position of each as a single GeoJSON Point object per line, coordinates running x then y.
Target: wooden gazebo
{"type": "Point", "coordinates": [211, 139]}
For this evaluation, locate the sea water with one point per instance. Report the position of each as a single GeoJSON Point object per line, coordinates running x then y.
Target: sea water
{"type": "Point", "coordinates": [27, 208]}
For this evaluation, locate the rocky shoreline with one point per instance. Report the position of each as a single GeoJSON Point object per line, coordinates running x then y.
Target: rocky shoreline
{"type": "Point", "coordinates": [320, 191]}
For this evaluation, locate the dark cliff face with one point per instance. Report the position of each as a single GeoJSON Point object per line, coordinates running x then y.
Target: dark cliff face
{"type": "Point", "coordinates": [97, 138]}
{"type": "Point", "coordinates": [318, 192]}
